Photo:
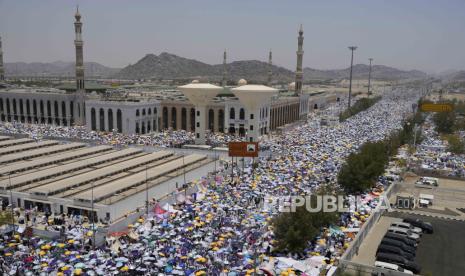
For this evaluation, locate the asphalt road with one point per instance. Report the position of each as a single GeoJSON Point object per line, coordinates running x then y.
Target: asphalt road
{"type": "Point", "coordinates": [443, 252]}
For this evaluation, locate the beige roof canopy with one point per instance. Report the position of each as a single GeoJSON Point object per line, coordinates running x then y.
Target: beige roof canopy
{"type": "Point", "coordinates": [81, 179]}
{"type": "Point", "coordinates": [8, 143]}
{"type": "Point", "coordinates": [51, 172]}
{"type": "Point", "coordinates": [52, 159]}
{"type": "Point", "coordinates": [39, 152]}
{"type": "Point", "coordinates": [28, 146]}
{"type": "Point", "coordinates": [109, 189]}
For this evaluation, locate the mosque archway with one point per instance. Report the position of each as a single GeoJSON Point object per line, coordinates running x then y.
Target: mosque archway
{"type": "Point", "coordinates": [232, 113]}
{"type": "Point", "coordinates": [119, 121]}
{"type": "Point", "coordinates": [211, 120]}
{"type": "Point", "coordinates": [184, 118]}
{"type": "Point", "coordinates": [56, 113]}
{"type": "Point", "coordinates": [165, 117]}
{"type": "Point", "coordinates": [173, 118]}
{"type": "Point", "coordinates": [110, 120]}
{"type": "Point", "coordinates": [93, 119]}
{"type": "Point", "coordinates": [63, 113]}
{"type": "Point", "coordinates": [241, 114]}
{"type": "Point", "coordinates": [8, 110]}
{"type": "Point", "coordinates": [221, 120]}
{"type": "Point", "coordinates": [49, 112]}
{"type": "Point", "coordinates": [102, 119]}
{"type": "Point", "coordinates": [192, 122]}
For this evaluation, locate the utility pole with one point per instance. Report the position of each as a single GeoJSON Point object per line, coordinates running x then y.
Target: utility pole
{"type": "Point", "coordinates": [351, 48]}
{"type": "Point", "coordinates": [11, 204]}
{"type": "Point", "coordinates": [93, 219]}
{"type": "Point", "coordinates": [146, 193]}
{"type": "Point", "coordinates": [369, 78]}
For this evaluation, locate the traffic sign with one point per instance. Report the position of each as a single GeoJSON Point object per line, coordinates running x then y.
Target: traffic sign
{"type": "Point", "coordinates": [436, 107]}
{"type": "Point", "coordinates": [243, 149]}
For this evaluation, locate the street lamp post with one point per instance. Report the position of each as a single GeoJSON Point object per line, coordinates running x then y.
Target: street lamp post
{"type": "Point", "coordinates": [11, 204]}
{"type": "Point", "coordinates": [146, 193]}
{"type": "Point", "coordinates": [351, 48]}
{"type": "Point", "coordinates": [369, 78]}
{"type": "Point", "coordinates": [93, 218]}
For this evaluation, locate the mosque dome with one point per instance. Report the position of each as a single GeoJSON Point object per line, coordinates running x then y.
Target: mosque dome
{"type": "Point", "coordinates": [241, 82]}
{"type": "Point", "coordinates": [291, 86]}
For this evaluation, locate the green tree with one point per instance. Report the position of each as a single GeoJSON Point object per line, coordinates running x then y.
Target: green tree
{"type": "Point", "coordinates": [294, 230]}
{"type": "Point", "coordinates": [444, 121]}
{"type": "Point", "coordinates": [5, 218]}
{"type": "Point", "coordinates": [456, 144]}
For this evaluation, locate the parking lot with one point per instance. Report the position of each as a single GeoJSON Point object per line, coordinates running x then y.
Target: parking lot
{"type": "Point", "coordinates": [440, 253]}
{"type": "Point", "coordinates": [449, 196]}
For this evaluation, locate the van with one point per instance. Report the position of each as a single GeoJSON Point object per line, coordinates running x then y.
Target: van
{"type": "Point", "coordinates": [407, 226]}
{"type": "Point", "coordinates": [404, 232]}
{"type": "Point", "coordinates": [383, 248]}
{"type": "Point", "coordinates": [390, 266]}
{"type": "Point", "coordinates": [427, 182]}
{"type": "Point", "coordinates": [400, 261]}
{"type": "Point", "coordinates": [399, 244]}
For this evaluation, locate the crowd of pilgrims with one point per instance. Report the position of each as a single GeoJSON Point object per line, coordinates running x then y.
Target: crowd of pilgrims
{"type": "Point", "coordinates": [223, 229]}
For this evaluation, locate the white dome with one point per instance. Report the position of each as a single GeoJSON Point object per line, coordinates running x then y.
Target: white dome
{"type": "Point", "coordinates": [291, 86]}
{"type": "Point", "coordinates": [241, 82]}
{"type": "Point", "coordinates": [195, 81]}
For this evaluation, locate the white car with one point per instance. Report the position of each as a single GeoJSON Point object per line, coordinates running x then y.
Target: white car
{"type": "Point", "coordinates": [390, 266]}
{"type": "Point", "coordinates": [404, 232]}
{"type": "Point", "coordinates": [408, 226]}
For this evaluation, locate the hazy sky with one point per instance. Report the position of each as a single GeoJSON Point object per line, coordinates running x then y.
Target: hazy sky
{"type": "Point", "coordinates": [410, 34]}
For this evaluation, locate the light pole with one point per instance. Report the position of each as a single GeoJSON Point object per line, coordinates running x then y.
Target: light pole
{"type": "Point", "coordinates": [146, 193]}
{"type": "Point", "coordinates": [11, 204]}
{"type": "Point", "coordinates": [351, 48]}
{"type": "Point", "coordinates": [93, 218]}
{"type": "Point", "coordinates": [369, 78]}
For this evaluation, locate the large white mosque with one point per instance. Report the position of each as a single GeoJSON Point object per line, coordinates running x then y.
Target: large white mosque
{"type": "Point", "coordinates": [246, 110]}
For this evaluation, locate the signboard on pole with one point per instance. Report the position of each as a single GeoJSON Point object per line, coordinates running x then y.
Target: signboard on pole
{"type": "Point", "coordinates": [436, 107]}
{"type": "Point", "coordinates": [243, 149]}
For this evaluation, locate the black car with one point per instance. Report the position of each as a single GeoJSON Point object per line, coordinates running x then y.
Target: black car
{"type": "Point", "coordinates": [402, 238]}
{"type": "Point", "coordinates": [384, 248]}
{"type": "Point", "coordinates": [400, 261]}
{"type": "Point", "coordinates": [401, 245]}
{"type": "Point", "coordinates": [425, 226]}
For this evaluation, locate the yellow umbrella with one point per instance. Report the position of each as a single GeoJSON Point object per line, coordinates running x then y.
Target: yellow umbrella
{"type": "Point", "coordinates": [77, 271]}
{"type": "Point", "coordinates": [124, 268]}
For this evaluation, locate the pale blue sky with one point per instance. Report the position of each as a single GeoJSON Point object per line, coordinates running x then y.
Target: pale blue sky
{"type": "Point", "coordinates": [409, 34]}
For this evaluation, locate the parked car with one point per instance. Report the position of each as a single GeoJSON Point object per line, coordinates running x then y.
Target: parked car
{"type": "Point", "coordinates": [383, 248]}
{"type": "Point", "coordinates": [399, 244]}
{"type": "Point", "coordinates": [390, 266]}
{"type": "Point", "coordinates": [401, 238]}
{"type": "Point", "coordinates": [425, 226]}
{"type": "Point", "coordinates": [427, 182]}
{"type": "Point", "coordinates": [405, 232]}
{"type": "Point", "coordinates": [405, 225]}
{"type": "Point", "coordinates": [400, 261]}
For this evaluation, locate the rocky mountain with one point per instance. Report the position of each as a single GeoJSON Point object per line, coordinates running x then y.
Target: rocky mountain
{"type": "Point", "coordinates": [361, 71]}
{"type": "Point", "coordinates": [454, 76]}
{"type": "Point", "coordinates": [57, 68]}
{"type": "Point", "coordinates": [169, 66]}
{"type": "Point", "coordinates": [165, 66]}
